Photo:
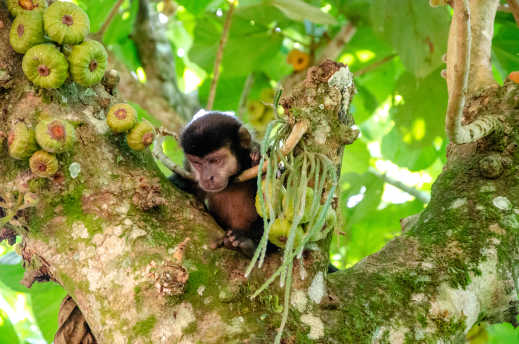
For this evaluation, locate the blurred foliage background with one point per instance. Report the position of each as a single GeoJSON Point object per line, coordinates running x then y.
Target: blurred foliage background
{"type": "Point", "coordinates": [387, 174]}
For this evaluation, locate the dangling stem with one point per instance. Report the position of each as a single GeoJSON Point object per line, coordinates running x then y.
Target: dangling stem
{"type": "Point", "coordinates": [99, 34]}
{"type": "Point", "coordinates": [219, 55]}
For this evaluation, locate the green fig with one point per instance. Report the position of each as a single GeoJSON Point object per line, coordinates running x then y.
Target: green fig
{"type": "Point", "coordinates": [17, 7]}
{"type": "Point", "coordinates": [268, 194]}
{"type": "Point", "coordinates": [43, 164]}
{"type": "Point", "coordinates": [121, 117]}
{"type": "Point", "coordinates": [66, 23]}
{"type": "Point", "coordinates": [255, 109]}
{"type": "Point", "coordinates": [288, 206]}
{"type": "Point", "coordinates": [20, 141]}
{"type": "Point", "coordinates": [26, 31]}
{"type": "Point", "coordinates": [45, 66]}
{"type": "Point", "coordinates": [330, 222]}
{"type": "Point", "coordinates": [55, 135]}
{"type": "Point", "coordinates": [267, 95]}
{"type": "Point", "coordinates": [88, 63]}
{"type": "Point", "coordinates": [141, 136]}
{"type": "Point", "coordinates": [278, 234]}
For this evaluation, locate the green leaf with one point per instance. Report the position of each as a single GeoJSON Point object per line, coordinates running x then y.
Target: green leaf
{"type": "Point", "coordinates": [7, 331]}
{"type": "Point", "coordinates": [126, 51]}
{"type": "Point", "coordinates": [299, 10]}
{"type": "Point", "coordinates": [368, 189]}
{"type": "Point", "coordinates": [503, 333]}
{"type": "Point", "coordinates": [357, 11]}
{"type": "Point", "coordinates": [122, 24]}
{"type": "Point", "coordinates": [194, 6]}
{"type": "Point", "coordinates": [420, 116]}
{"type": "Point", "coordinates": [262, 13]}
{"type": "Point", "coordinates": [277, 68]}
{"type": "Point", "coordinates": [399, 152]}
{"type": "Point", "coordinates": [46, 299]}
{"type": "Point", "coordinates": [375, 230]}
{"type": "Point", "coordinates": [248, 48]}
{"type": "Point", "coordinates": [355, 158]}
{"type": "Point", "coordinates": [505, 50]}
{"type": "Point", "coordinates": [11, 275]}
{"type": "Point", "coordinates": [417, 32]}
{"type": "Point", "coordinates": [376, 86]}
{"type": "Point", "coordinates": [143, 114]}
{"type": "Point", "coordinates": [228, 92]}
{"type": "Point", "coordinates": [97, 11]}
{"type": "Point", "coordinates": [207, 35]}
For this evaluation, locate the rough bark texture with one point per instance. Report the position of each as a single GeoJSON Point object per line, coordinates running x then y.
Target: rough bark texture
{"type": "Point", "coordinates": [101, 237]}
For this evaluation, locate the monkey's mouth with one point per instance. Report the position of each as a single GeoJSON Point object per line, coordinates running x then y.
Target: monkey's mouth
{"type": "Point", "coordinates": [213, 189]}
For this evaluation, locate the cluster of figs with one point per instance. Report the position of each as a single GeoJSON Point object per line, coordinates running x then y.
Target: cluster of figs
{"type": "Point", "coordinates": [52, 40]}
{"type": "Point", "coordinates": [122, 118]}
{"type": "Point", "coordinates": [276, 196]}
{"type": "Point", "coordinates": [41, 144]}
{"type": "Point", "coordinates": [54, 136]}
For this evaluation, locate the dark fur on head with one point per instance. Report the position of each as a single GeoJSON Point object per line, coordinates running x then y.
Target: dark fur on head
{"type": "Point", "coordinates": [212, 131]}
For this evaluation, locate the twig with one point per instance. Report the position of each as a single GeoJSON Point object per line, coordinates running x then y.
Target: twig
{"type": "Point", "coordinates": [374, 65]}
{"type": "Point", "coordinates": [419, 195]}
{"type": "Point", "coordinates": [158, 153]}
{"type": "Point", "coordinates": [336, 45]}
{"type": "Point", "coordinates": [219, 55]}
{"type": "Point", "coordinates": [514, 7]}
{"type": "Point", "coordinates": [245, 93]}
{"type": "Point", "coordinates": [99, 34]}
{"type": "Point", "coordinates": [295, 136]}
{"type": "Point", "coordinates": [299, 129]}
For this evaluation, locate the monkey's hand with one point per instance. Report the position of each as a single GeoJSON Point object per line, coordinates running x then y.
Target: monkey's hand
{"type": "Point", "coordinates": [255, 154]}
{"type": "Point", "coordinates": [235, 240]}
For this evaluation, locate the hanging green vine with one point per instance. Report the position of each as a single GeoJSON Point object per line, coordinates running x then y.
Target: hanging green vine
{"type": "Point", "coordinates": [294, 198]}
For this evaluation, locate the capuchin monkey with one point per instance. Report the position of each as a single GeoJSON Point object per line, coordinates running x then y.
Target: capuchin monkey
{"type": "Point", "coordinates": [217, 148]}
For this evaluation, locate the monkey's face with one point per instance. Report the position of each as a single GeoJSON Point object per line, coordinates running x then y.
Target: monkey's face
{"type": "Point", "coordinates": [213, 170]}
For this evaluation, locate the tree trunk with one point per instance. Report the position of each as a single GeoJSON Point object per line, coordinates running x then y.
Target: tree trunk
{"type": "Point", "coordinates": [114, 237]}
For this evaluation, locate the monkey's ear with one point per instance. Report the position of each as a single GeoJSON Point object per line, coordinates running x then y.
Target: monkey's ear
{"type": "Point", "coordinates": [245, 137]}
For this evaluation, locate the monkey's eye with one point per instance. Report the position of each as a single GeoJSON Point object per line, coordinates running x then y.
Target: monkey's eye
{"type": "Point", "coordinates": [215, 161]}
{"type": "Point", "coordinates": [196, 164]}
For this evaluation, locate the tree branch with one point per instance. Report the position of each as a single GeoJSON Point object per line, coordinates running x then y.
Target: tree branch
{"type": "Point", "coordinates": [99, 34]}
{"type": "Point", "coordinates": [374, 65]}
{"type": "Point", "coordinates": [158, 153]}
{"type": "Point", "coordinates": [460, 66]}
{"type": "Point", "coordinates": [419, 195]}
{"type": "Point", "coordinates": [336, 45]}
{"type": "Point", "coordinates": [244, 94]}
{"type": "Point", "coordinates": [219, 55]}
{"type": "Point", "coordinates": [299, 129]}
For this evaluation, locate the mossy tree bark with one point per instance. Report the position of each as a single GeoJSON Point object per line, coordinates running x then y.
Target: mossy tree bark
{"type": "Point", "coordinates": [112, 236]}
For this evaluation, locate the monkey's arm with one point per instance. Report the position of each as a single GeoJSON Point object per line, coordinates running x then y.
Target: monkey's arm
{"type": "Point", "coordinates": [185, 184]}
